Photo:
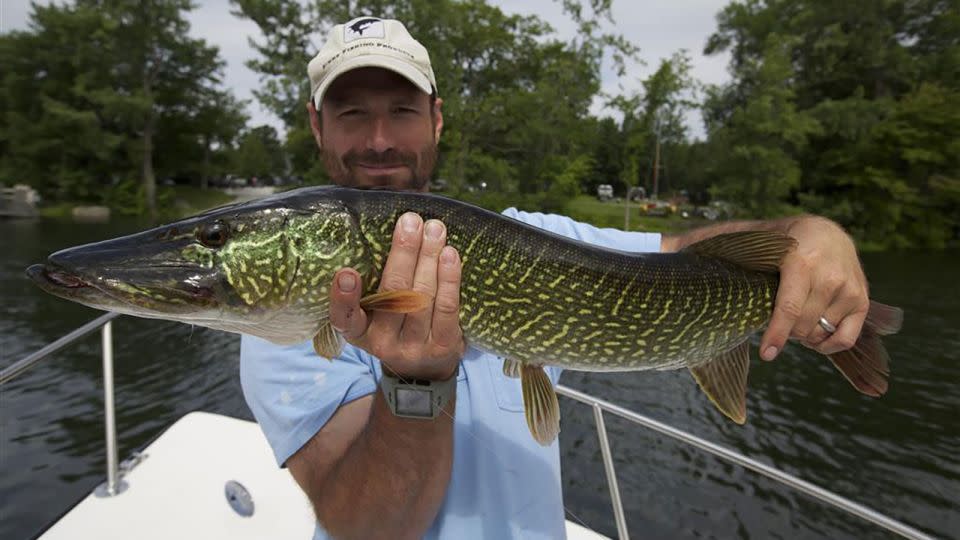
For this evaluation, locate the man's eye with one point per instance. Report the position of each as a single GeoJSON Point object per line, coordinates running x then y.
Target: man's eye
{"type": "Point", "coordinates": [405, 110]}
{"type": "Point", "coordinates": [351, 112]}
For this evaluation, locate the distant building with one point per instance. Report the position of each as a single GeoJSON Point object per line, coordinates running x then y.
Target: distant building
{"type": "Point", "coordinates": [20, 201]}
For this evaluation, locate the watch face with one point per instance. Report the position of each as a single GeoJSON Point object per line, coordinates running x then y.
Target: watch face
{"type": "Point", "coordinates": [414, 402]}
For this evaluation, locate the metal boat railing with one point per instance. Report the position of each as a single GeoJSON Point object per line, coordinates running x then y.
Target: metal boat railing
{"type": "Point", "coordinates": [115, 485]}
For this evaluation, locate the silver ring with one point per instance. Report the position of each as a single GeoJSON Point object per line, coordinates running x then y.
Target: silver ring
{"type": "Point", "coordinates": [825, 324]}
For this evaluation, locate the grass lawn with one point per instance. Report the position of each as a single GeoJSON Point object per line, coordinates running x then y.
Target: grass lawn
{"type": "Point", "coordinates": [189, 200]}
{"type": "Point", "coordinates": [611, 214]}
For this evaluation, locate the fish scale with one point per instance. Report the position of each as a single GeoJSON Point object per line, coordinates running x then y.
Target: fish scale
{"type": "Point", "coordinates": [538, 298]}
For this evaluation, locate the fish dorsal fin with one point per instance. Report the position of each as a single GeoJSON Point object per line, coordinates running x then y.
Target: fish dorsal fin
{"type": "Point", "coordinates": [511, 368]}
{"type": "Point", "coordinates": [327, 342]}
{"type": "Point", "coordinates": [754, 250]}
{"type": "Point", "coordinates": [404, 301]}
{"type": "Point", "coordinates": [724, 380]}
{"type": "Point", "coordinates": [540, 404]}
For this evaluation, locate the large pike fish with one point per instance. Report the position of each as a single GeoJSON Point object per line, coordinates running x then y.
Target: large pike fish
{"type": "Point", "coordinates": [527, 295]}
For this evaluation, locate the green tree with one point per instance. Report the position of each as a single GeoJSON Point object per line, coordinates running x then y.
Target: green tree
{"type": "Point", "coordinates": [763, 136]}
{"type": "Point", "coordinates": [260, 153]}
{"type": "Point", "coordinates": [880, 81]}
{"type": "Point", "coordinates": [516, 99]}
{"type": "Point", "coordinates": [90, 88]}
{"type": "Point", "coordinates": [52, 134]}
{"type": "Point", "coordinates": [654, 118]}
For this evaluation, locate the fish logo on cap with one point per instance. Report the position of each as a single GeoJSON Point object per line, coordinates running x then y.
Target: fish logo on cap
{"type": "Point", "coordinates": [364, 27]}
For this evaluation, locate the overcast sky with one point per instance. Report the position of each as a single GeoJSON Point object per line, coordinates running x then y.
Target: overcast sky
{"type": "Point", "coordinates": [659, 28]}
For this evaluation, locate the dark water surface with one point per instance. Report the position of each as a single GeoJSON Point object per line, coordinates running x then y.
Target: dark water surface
{"type": "Point", "coordinates": [898, 454]}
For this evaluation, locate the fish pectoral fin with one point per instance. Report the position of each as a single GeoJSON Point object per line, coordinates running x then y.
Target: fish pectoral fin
{"type": "Point", "coordinates": [724, 380]}
{"type": "Point", "coordinates": [761, 251]}
{"type": "Point", "coordinates": [511, 368]}
{"type": "Point", "coordinates": [540, 404]}
{"type": "Point", "coordinates": [327, 342]}
{"type": "Point", "coordinates": [405, 301]}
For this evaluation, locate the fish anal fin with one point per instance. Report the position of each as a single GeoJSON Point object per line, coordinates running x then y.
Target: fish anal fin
{"type": "Point", "coordinates": [724, 380]}
{"type": "Point", "coordinates": [327, 342]}
{"type": "Point", "coordinates": [405, 301]}
{"type": "Point", "coordinates": [511, 368]}
{"type": "Point", "coordinates": [540, 404]}
{"type": "Point", "coordinates": [761, 251]}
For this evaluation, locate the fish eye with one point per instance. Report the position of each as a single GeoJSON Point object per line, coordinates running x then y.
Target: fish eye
{"type": "Point", "coordinates": [213, 235]}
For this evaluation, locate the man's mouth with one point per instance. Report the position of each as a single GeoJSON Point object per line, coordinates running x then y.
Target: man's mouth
{"type": "Point", "coordinates": [381, 166]}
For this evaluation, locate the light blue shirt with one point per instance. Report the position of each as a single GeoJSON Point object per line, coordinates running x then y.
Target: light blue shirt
{"type": "Point", "coordinates": [503, 484]}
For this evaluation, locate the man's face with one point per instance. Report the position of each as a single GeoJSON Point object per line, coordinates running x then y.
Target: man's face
{"type": "Point", "coordinates": [376, 129]}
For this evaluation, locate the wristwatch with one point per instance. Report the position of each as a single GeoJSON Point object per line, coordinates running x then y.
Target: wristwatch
{"type": "Point", "coordinates": [417, 398]}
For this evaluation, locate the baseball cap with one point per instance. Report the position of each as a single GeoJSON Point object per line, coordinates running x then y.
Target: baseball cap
{"type": "Point", "coordinates": [370, 42]}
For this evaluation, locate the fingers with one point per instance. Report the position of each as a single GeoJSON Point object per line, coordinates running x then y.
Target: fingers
{"type": "Point", "coordinates": [398, 273]}
{"type": "Point", "coordinates": [848, 313]}
{"type": "Point", "coordinates": [787, 309]}
{"type": "Point", "coordinates": [425, 344]}
{"type": "Point", "coordinates": [846, 336]}
{"type": "Point", "coordinates": [822, 302]}
{"type": "Point", "coordinates": [345, 313]}
{"type": "Point", "coordinates": [842, 300]}
{"type": "Point", "coordinates": [447, 334]}
{"type": "Point", "coordinates": [416, 326]}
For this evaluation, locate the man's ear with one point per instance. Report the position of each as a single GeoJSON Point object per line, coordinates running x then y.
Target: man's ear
{"type": "Point", "coordinates": [315, 124]}
{"type": "Point", "coordinates": [437, 119]}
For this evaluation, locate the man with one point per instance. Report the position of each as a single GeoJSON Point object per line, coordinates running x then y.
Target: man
{"type": "Point", "coordinates": [473, 470]}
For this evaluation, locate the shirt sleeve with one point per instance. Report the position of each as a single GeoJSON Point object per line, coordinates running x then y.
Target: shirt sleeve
{"type": "Point", "coordinates": [610, 238]}
{"type": "Point", "coordinates": [293, 392]}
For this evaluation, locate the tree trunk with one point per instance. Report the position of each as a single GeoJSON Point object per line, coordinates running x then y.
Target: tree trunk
{"type": "Point", "coordinates": [149, 182]}
{"type": "Point", "coordinates": [656, 171]}
{"type": "Point", "coordinates": [205, 176]}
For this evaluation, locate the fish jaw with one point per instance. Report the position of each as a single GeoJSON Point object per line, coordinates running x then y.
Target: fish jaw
{"type": "Point", "coordinates": [130, 275]}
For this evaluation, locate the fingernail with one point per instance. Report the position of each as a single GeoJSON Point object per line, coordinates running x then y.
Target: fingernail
{"type": "Point", "coordinates": [409, 221]}
{"type": "Point", "coordinates": [347, 282]}
{"type": "Point", "coordinates": [434, 229]}
{"type": "Point", "coordinates": [769, 353]}
{"type": "Point", "coordinates": [448, 255]}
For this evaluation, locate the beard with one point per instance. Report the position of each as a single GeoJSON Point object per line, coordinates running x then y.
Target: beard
{"type": "Point", "coordinates": [342, 170]}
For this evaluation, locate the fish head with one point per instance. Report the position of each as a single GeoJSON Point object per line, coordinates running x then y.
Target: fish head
{"type": "Point", "coordinates": [262, 268]}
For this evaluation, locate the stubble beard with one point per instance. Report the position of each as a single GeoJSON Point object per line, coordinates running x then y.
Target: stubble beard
{"type": "Point", "coordinates": [421, 165]}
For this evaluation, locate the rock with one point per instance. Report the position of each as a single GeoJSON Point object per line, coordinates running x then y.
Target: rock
{"type": "Point", "coordinates": [91, 214]}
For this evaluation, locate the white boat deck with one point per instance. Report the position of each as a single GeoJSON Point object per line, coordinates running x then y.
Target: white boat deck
{"type": "Point", "coordinates": [178, 490]}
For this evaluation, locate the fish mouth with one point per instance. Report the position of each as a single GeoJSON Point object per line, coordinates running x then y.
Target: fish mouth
{"type": "Point", "coordinates": [182, 296]}
{"type": "Point", "coordinates": [58, 278]}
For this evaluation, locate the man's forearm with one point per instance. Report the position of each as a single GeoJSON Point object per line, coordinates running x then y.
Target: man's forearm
{"type": "Point", "coordinates": [677, 242]}
{"type": "Point", "coordinates": [391, 480]}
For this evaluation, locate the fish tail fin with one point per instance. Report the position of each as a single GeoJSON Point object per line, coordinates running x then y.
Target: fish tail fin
{"type": "Point", "coordinates": [867, 365]}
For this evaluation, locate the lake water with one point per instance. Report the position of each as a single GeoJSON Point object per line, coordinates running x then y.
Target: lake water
{"type": "Point", "coordinates": [897, 454]}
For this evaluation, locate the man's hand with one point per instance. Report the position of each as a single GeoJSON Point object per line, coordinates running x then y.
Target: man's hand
{"type": "Point", "coordinates": [821, 278]}
{"type": "Point", "coordinates": [425, 345]}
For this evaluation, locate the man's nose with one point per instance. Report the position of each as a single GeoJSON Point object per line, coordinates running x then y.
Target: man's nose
{"type": "Point", "coordinates": [380, 138]}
